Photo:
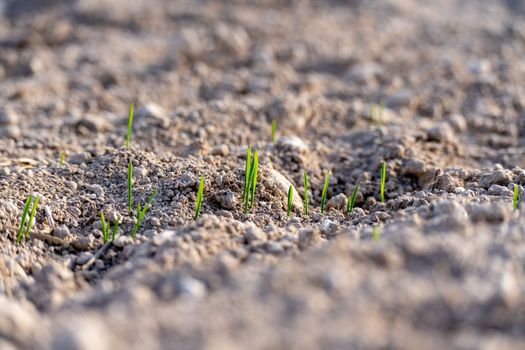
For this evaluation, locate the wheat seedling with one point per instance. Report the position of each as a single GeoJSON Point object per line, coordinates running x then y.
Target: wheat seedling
{"type": "Point", "coordinates": [107, 230]}
{"type": "Point", "coordinates": [62, 158]}
{"type": "Point", "coordinates": [247, 169]}
{"type": "Point", "coordinates": [351, 200]}
{"type": "Point", "coordinates": [31, 217]}
{"type": "Point", "coordinates": [325, 189]}
{"type": "Point", "coordinates": [105, 227]}
{"type": "Point", "coordinates": [250, 179]}
{"type": "Point", "coordinates": [376, 233]}
{"type": "Point", "coordinates": [305, 184]}
{"type": "Point", "coordinates": [141, 212]}
{"type": "Point", "coordinates": [516, 195]}
{"type": "Point", "coordinates": [377, 112]}
{"type": "Point", "coordinates": [130, 123]}
{"type": "Point", "coordinates": [290, 195]}
{"type": "Point", "coordinates": [23, 219]}
{"type": "Point", "coordinates": [198, 202]}
{"type": "Point", "coordinates": [253, 177]}
{"type": "Point", "coordinates": [382, 184]}
{"type": "Point", "coordinates": [274, 131]}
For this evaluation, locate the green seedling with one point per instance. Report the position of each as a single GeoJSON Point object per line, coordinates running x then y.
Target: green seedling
{"type": "Point", "coordinates": [130, 187]}
{"type": "Point", "coordinates": [377, 112]}
{"type": "Point", "coordinates": [31, 217]}
{"type": "Point", "coordinates": [305, 184]}
{"type": "Point", "coordinates": [325, 189]}
{"type": "Point", "coordinates": [376, 233]}
{"type": "Point", "coordinates": [107, 231]}
{"type": "Point", "coordinates": [62, 158]}
{"type": "Point", "coordinates": [382, 184]}
{"type": "Point", "coordinates": [516, 195]}
{"type": "Point", "coordinates": [274, 131]}
{"type": "Point", "coordinates": [130, 123]}
{"type": "Point", "coordinates": [105, 227]}
{"type": "Point", "coordinates": [253, 176]}
{"type": "Point", "coordinates": [250, 179]}
{"type": "Point", "coordinates": [141, 212]}
{"type": "Point", "coordinates": [290, 195]}
{"type": "Point", "coordinates": [25, 226]}
{"type": "Point", "coordinates": [198, 202]}
{"type": "Point", "coordinates": [247, 169]}
{"type": "Point", "coordinates": [351, 200]}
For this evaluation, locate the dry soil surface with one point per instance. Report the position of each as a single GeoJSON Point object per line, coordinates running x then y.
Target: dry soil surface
{"type": "Point", "coordinates": [434, 89]}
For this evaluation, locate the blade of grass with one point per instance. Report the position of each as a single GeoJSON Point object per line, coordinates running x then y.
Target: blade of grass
{"type": "Point", "coordinates": [376, 233]}
{"type": "Point", "coordinates": [351, 200]}
{"type": "Point", "coordinates": [141, 212]}
{"type": "Point", "coordinates": [105, 228]}
{"type": "Point", "coordinates": [62, 158]}
{"type": "Point", "coordinates": [325, 189]}
{"type": "Point", "coordinates": [23, 219]}
{"type": "Point", "coordinates": [290, 195]}
{"type": "Point", "coordinates": [305, 184]}
{"type": "Point", "coordinates": [130, 187]}
{"type": "Point", "coordinates": [516, 195]}
{"type": "Point", "coordinates": [255, 171]}
{"type": "Point", "coordinates": [31, 217]}
{"type": "Point", "coordinates": [130, 123]}
{"type": "Point", "coordinates": [274, 131]}
{"type": "Point", "coordinates": [198, 202]}
{"type": "Point", "coordinates": [382, 184]}
{"type": "Point", "coordinates": [152, 198]}
{"type": "Point", "coordinates": [247, 170]}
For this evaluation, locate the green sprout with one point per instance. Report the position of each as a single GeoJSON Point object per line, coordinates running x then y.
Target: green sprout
{"type": "Point", "coordinates": [198, 203]}
{"type": "Point", "coordinates": [130, 123]}
{"type": "Point", "coordinates": [290, 195]}
{"type": "Point", "coordinates": [141, 212]}
{"type": "Point", "coordinates": [62, 158]}
{"type": "Point", "coordinates": [130, 187]}
{"type": "Point", "coordinates": [274, 131]}
{"type": "Point", "coordinates": [351, 200]}
{"type": "Point", "coordinates": [515, 199]}
{"type": "Point", "coordinates": [246, 176]}
{"type": "Point", "coordinates": [325, 189]}
{"type": "Point", "coordinates": [31, 217]}
{"type": "Point", "coordinates": [250, 179]}
{"type": "Point", "coordinates": [382, 184]}
{"type": "Point", "coordinates": [305, 184]}
{"type": "Point", "coordinates": [253, 176]}
{"type": "Point", "coordinates": [377, 112]}
{"type": "Point", "coordinates": [24, 229]}
{"type": "Point", "coordinates": [376, 233]}
{"type": "Point", "coordinates": [23, 219]}
{"type": "Point", "coordinates": [107, 230]}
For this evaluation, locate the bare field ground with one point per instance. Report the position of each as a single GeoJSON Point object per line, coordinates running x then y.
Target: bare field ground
{"type": "Point", "coordinates": [432, 89]}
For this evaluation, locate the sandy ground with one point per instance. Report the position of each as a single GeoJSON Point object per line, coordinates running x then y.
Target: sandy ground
{"type": "Point", "coordinates": [434, 89]}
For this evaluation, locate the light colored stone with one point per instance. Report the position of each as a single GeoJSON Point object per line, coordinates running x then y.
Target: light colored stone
{"type": "Point", "coordinates": [61, 232]}
{"type": "Point", "coordinates": [337, 202]}
{"type": "Point", "coordinates": [151, 113]}
{"type": "Point", "coordinates": [276, 180]}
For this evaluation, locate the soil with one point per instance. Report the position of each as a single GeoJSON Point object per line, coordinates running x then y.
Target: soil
{"type": "Point", "coordinates": [434, 89]}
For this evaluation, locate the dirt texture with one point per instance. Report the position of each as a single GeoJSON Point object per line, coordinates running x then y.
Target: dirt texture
{"type": "Point", "coordinates": [434, 89]}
